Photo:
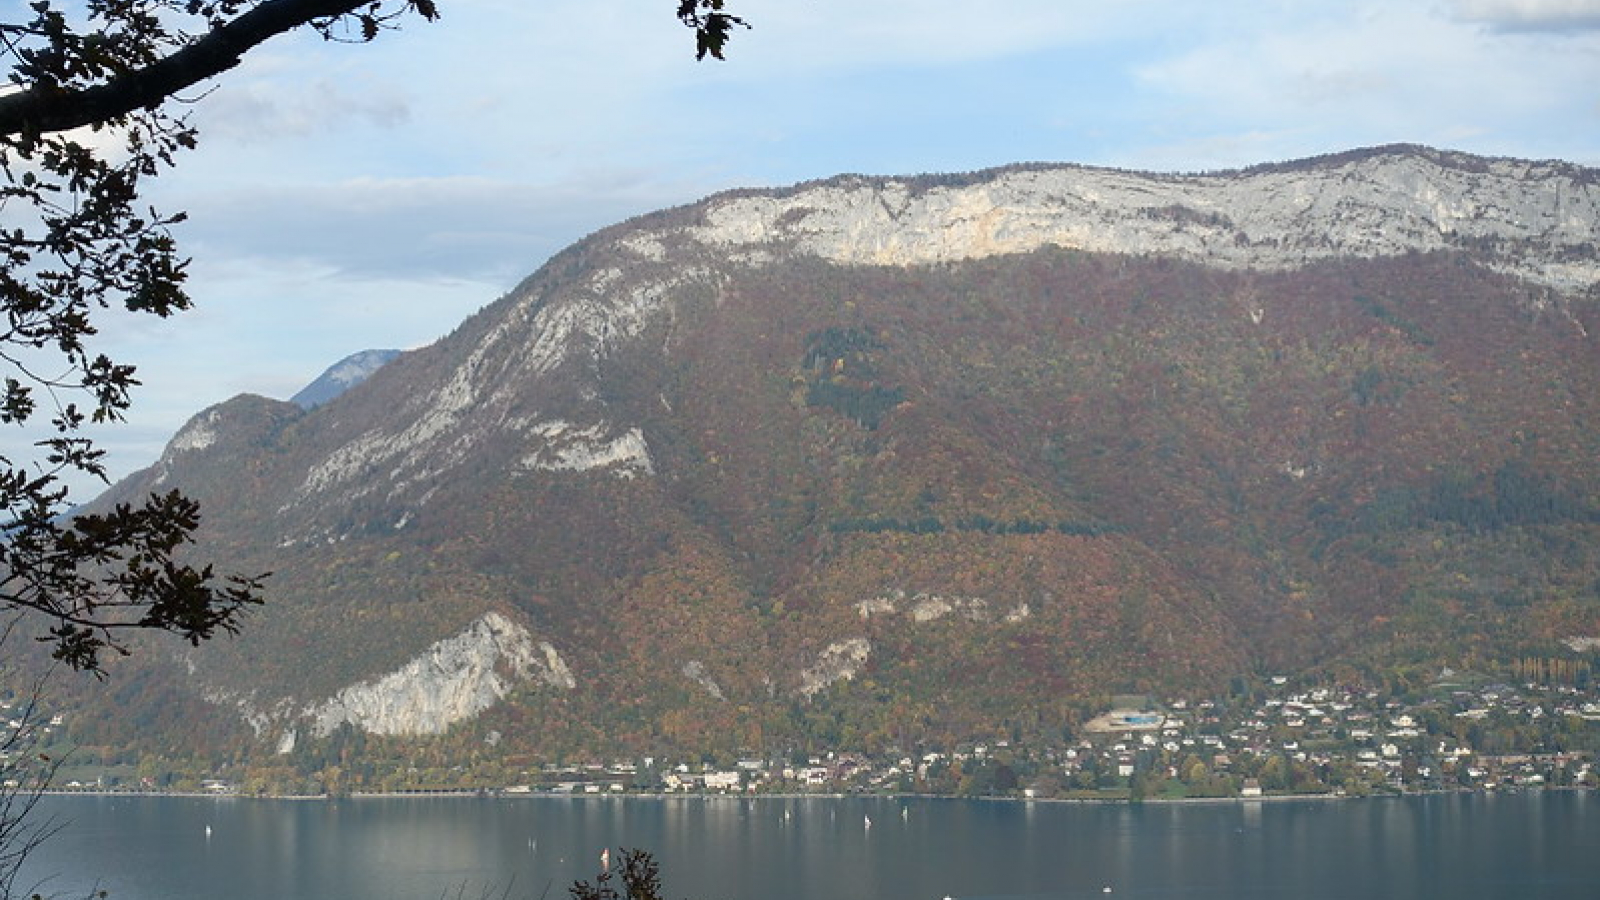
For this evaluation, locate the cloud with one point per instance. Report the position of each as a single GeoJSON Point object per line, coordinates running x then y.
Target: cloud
{"type": "Point", "coordinates": [256, 110]}
{"type": "Point", "coordinates": [828, 33]}
{"type": "Point", "coordinates": [1558, 16]}
{"type": "Point", "coordinates": [453, 227]}
{"type": "Point", "coordinates": [1353, 76]}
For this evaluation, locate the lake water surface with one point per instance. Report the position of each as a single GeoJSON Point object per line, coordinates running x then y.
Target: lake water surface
{"type": "Point", "coordinates": [1459, 847]}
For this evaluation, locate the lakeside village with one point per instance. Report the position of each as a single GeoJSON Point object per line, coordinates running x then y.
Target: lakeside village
{"type": "Point", "coordinates": [1274, 741]}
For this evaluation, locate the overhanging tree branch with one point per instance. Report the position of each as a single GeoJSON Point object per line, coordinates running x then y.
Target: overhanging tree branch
{"type": "Point", "coordinates": [43, 110]}
{"type": "Point", "coordinates": [46, 109]}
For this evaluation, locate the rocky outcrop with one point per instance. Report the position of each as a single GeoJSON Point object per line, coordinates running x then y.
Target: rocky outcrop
{"type": "Point", "coordinates": [1383, 204]}
{"type": "Point", "coordinates": [451, 682]}
{"type": "Point", "coordinates": [839, 661]}
{"type": "Point", "coordinates": [924, 607]}
{"type": "Point", "coordinates": [569, 448]}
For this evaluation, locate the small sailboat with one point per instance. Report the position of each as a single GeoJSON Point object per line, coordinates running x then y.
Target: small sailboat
{"type": "Point", "coordinates": [867, 820]}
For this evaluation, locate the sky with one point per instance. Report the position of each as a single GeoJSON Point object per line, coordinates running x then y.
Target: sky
{"type": "Point", "coordinates": [349, 196]}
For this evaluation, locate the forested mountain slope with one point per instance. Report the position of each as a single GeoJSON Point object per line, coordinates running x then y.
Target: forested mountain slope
{"type": "Point", "coordinates": [869, 461]}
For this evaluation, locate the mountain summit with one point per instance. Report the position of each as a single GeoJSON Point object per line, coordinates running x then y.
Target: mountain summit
{"type": "Point", "coordinates": [867, 461]}
{"type": "Point", "coordinates": [342, 376]}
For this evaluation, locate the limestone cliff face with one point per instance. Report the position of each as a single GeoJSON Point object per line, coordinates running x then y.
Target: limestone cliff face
{"type": "Point", "coordinates": [1385, 204]}
{"type": "Point", "coordinates": [454, 680]}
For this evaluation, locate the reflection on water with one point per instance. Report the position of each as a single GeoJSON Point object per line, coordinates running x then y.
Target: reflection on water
{"type": "Point", "coordinates": [1462, 847]}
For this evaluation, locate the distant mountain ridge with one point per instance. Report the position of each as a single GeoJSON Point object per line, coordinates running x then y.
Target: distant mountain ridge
{"type": "Point", "coordinates": [868, 461]}
{"type": "Point", "coordinates": [342, 376]}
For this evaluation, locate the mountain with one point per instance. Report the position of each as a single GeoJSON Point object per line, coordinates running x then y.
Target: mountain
{"type": "Point", "coordinates": [868, 461]}
{"type": "Point", "coordinates": [342, 376]}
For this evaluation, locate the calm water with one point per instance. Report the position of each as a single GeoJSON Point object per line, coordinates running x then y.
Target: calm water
{"type": "Point", "coordinates": [1533, 845]}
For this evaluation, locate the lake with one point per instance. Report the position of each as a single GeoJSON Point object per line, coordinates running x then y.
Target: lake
{"type": "Point", "coordinates": [1459, 846]}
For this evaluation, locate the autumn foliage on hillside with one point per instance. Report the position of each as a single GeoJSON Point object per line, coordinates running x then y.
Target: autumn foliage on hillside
{"type": "Point", "coordinates": [892, 505]}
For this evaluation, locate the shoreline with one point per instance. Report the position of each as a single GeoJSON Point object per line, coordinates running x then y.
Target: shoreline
{"type": "Point", "coordinates": [663, 795]}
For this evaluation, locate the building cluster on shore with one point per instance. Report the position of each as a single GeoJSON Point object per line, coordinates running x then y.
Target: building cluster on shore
{"type": "Point", "coordinates": [1322, 740]}
{"type": "Point", "coordinates": [1276, 739]}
